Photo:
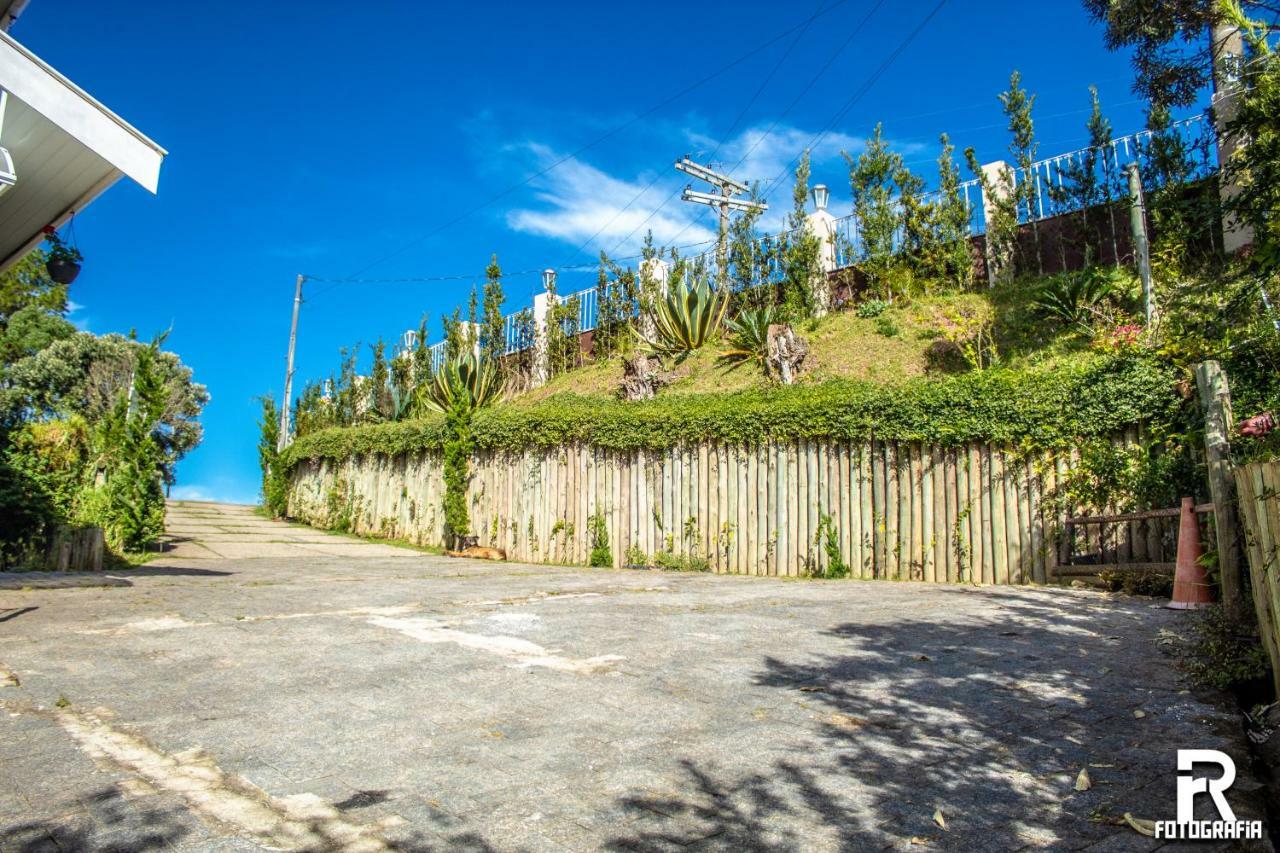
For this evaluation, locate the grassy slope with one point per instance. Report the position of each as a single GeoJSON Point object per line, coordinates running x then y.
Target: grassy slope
{"type": "Point", "coordinates": [846, 346]}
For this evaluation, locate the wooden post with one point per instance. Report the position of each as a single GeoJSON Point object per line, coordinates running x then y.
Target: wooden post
{"type": "Point", "coordinates": [1215, 398]}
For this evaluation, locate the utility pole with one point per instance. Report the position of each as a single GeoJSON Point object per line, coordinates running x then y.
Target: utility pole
{"type": "Point", "coordinates": [1226, 48]}
{"type": "Point", "coordinates": [724, 201]}
{"type": "Point", "coordinates": [1138, 223]}
{"type": "Point", "coordinates": [283, 441]}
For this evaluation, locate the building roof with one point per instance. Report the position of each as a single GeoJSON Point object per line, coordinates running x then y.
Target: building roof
{"type": "Point", "coordinates": [10, 10]}
{"type": "Point", "coordinates": [67, 148]}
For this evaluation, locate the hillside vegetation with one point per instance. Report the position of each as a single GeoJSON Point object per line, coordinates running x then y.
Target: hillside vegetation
{"type": "Point", "coordinates": [905, 341]}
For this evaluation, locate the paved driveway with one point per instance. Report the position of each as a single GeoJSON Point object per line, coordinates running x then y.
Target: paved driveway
{"type": "Point", "coordinates": [334, 695]}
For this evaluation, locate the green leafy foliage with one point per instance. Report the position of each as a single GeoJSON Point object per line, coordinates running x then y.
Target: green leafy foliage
{"type": "Point", "coordinates": [1074, 298]}
{"type": "Point", "coordinates": [1226, 654]}
{"type": "Point", "coordinates": [601, 555]}
{"type": "Point", "coordinates": [459, 445]}
{"type": "Point", "coordinates": [459, 389]}
{"type": "Point", "coordinates": [275, 483]}
{"type": "Point", "coordinates": [130, 502]}
{"type": "Point", "coordinates": [465, 381]}
{"type": "Point", "coordinates": [871, 179]}
{"type": "Point", "coordinates": [800, 252]}
{"type": "Point", "coordinates": [27, 284]}
{"type": "Point", "coordinates": [686, 320]}
{"type": "Point", "coordinates": [827, 537]}
{"type": "Point", "coordinates": [749, 335]}
{"type": "Point", "coordinates": [871, 308]}
{"type": "Point", "coordinates": [1042, 407]}
{"type": "Point", "coordinates": [91, 427]}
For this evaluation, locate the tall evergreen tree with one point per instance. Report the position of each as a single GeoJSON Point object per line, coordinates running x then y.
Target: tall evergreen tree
{"type": "Point", "coordinates": [871, 180]}
{"type": "Point", "coordinates": [493, 330]}
{"type": "Point", "coordinates": [952, 220]}
{"type": "Point", "coordinates": [801, 254]}
{"type": "Point", "coordinates": [1017, 104]}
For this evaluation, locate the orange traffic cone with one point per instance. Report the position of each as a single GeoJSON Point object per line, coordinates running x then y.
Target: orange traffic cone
{"type": "Point", "coordinates": [1191, 588]}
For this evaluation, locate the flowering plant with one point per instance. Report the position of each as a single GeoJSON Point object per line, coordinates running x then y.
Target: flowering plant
{"type": "Point", "coordinates": [59, 250]}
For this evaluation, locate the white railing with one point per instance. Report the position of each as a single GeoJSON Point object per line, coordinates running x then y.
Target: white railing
{"type": "Point", "coordinates": [1108, 164]}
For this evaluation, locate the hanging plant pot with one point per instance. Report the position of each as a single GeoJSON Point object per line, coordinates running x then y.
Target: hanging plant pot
{"type": "Point", "coordinates": [62, 271]}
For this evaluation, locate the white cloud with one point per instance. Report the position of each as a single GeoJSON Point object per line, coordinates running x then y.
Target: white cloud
{"type": "Point", "coordinates": [578, 202]}
{"type": "Point", "coordinates": [198, 492]}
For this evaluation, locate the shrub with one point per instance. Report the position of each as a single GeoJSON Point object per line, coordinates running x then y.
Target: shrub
{"type": "Point", "coordinates": [275, 484]}
{"type": "Point", "coordinates": [749, 335]}
{"type": "Point", "coordinates": [686, 320]}
{"type": "Point", "coordinates": [675, 563]}
{"type": "Point", "coordinates": [828, 539]}
{"type": "Point", "coordinates": [1047, 407]}
{"type": "Point", "coordinates": [871, 309]}
{"type": "Point", "coordinates": [465, 381]}
{"type": "Point", "coordinates": [1146, 582]}
{"type": "Point", "coordinates": [969, 327]}
{"type": "Point", "coordinates": [885, 326]}
{"type": "Point", "coordinates": [1226, 654]}
{"type": "Point", "coordinates": [1073, 298]}
{"type": "Point", "coordinates": [601, 556]}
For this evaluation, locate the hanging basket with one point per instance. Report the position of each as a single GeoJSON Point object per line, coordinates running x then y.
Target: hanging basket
{"type": "Point", "coordinates": [62, 271]}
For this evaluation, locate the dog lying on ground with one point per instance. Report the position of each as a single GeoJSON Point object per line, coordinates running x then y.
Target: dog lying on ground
{"type": "Point", "coordinates": [478, 552]}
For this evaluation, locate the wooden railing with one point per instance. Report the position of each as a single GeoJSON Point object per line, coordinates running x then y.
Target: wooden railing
{"type": "Point", "coordinates": [1143, 541]}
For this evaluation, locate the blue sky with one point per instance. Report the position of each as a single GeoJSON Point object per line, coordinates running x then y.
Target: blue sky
{"type": "Point", "coordinates": [321, 137]}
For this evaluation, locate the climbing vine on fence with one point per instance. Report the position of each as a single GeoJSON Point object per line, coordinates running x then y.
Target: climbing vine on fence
{"type": "Point", "coordinates": [1044, 407]}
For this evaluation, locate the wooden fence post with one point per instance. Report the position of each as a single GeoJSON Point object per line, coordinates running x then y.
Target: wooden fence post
{"type": "Point", "coordinates": [1215, 399]}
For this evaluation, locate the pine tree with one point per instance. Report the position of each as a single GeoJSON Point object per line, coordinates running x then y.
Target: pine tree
{"type": "Point", "coordinates": [421, 356]}
{"type": "Point", "coordinates": [917, 249]}
{"type": "Point", "coordinates": [952, 220]}
{"type": "Point", "coordinates": [1000, 211]}
{"type": "Point", "coordinates": [871, 180]}
{"type": "Point", "coordinates": [1109, 191]}
{"type": "Point", "coordinates": [801, 254]}
{"type": "Point", "coordinates": [1017, 105]}
{"type": "Point", "coordinates": [746, 264]}
{"type": "Point", "coordinates": [493, 331]}
{"type": "Point", "coordinates": [379, 380]}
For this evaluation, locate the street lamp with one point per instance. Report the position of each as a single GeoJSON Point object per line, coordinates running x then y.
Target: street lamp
{"type": "Point", "coordinates": [548, 280]}
{"type": "Point", "coordinates": [820, 196]}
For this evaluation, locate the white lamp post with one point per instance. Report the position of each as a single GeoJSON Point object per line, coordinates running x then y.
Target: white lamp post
{"type": "Point", "coordinates": [820, 196]}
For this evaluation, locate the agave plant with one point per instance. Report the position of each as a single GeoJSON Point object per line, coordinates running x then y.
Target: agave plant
{"type": "Point", "coordinates": [1072, 297]}
{"type": "Point", "coordinates": [684, 321]}
{"type": "Point", "coordinates": [472, 381]}
{"type": "Point", "coordinates": [749, 335]}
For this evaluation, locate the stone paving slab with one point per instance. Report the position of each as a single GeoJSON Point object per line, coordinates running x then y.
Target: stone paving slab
{"type": "Point", "coordinates": [333, 702]}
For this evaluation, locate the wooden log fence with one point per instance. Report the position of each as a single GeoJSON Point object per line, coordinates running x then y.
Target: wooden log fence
{"type": "Point", "coordinates": [1258, 492]}
{"type": "Point", "coordinates": [75, 549]}
{"type": "Point", "coordinates": [892, 510]}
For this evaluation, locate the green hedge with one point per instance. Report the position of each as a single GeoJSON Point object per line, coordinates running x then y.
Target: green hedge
{"type": "Point", "coordinates": [1039, 407]}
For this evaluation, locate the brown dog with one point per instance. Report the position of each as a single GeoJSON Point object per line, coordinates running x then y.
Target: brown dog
{"type": "Point", "coordinates": [478, 552]}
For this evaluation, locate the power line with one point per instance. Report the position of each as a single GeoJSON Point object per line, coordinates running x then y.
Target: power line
{"type": "Point", "coordinates": [338, 282]}
{"type": "Point", "coordinates": [607, 135]}
{"type": "Point", "coordinates": [741, 114]}
{"type": "Point", "coordinates": [796, 100]}
{"type": "Point", "coordinates": [858, 94]}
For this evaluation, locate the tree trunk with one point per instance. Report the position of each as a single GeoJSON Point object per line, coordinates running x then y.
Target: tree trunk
{"type": "Point", "coordinates": [786, 353]}
{"type": "Point", "coordinates": [642, 376]}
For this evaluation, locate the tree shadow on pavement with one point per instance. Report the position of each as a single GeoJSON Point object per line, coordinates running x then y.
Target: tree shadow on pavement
{"type": "Point", "coordinates": [985, 721]}
{"type": "Point", "coordinates": [110, 823]}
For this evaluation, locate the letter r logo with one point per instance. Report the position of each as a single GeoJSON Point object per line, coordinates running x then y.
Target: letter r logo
{"type": "Point", "coordinates": [1189, 786]}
